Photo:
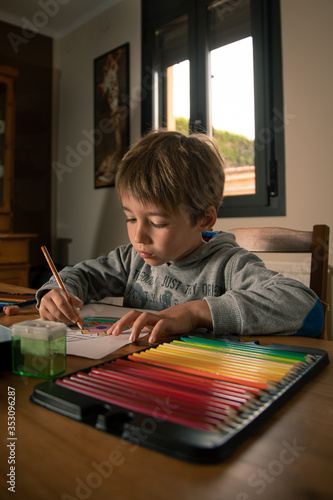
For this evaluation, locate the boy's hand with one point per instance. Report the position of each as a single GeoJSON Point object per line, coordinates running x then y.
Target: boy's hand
{"type": "Point", "coordinates": [54, 306]}
{"type": "Point", "coordinates": [175, 320]}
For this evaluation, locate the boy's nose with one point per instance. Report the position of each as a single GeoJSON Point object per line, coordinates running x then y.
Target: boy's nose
{"type": "Point", "coordinates": [141, 235]}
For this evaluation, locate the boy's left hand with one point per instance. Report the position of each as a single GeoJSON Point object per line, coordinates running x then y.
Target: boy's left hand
{"type": "Point", "coordinates": [182, 318]}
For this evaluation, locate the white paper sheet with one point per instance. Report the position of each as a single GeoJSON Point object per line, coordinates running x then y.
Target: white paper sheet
{"type": "Point", "coordinates": [91, 345]}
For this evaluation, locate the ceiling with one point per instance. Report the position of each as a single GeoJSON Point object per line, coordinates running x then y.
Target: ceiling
{"type": "Point", "coordinates": [54, 18]}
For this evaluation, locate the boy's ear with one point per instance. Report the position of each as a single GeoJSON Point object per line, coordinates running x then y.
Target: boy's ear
{"type": "Point", "coordinates": [208, 221]}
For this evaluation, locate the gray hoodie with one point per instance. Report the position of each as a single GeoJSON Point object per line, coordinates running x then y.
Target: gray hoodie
{"type": "Point", "coordinates": [243, 295]}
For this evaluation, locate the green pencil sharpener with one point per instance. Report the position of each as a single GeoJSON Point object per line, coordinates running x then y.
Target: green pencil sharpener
{"type": "Point", "coordinates": [39, 348]}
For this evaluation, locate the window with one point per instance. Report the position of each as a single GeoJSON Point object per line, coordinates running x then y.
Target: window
{"type": "Point", "coordinates": [215, 67]}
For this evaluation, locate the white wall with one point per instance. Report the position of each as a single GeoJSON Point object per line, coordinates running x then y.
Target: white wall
{"type": "Point", "coordinates": [92, 219]}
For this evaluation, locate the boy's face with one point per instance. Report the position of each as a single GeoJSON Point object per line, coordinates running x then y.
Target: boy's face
{"type": "Point", "coordinates": [158, 236]}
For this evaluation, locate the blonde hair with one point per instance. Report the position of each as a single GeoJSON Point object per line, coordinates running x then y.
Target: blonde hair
{"type": "Point", "coordinates": [174, 171]}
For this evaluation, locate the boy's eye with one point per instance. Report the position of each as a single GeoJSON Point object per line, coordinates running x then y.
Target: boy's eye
{"type": "Point", "coordinates": [132, 220]}
{"type": "Point", "coordinates": [154, 224]}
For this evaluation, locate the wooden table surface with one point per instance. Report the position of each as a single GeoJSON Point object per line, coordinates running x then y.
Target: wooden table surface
{"type": "Point", "coordinates": [290, 457]}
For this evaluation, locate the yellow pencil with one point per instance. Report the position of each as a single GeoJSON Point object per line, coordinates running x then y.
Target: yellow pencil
{"type": "Point", "coordinates": [217, 368]}
{"type": "Point", "coordinates": [227, 358]}
{"type": "Point", "coordinates": [224, 358]}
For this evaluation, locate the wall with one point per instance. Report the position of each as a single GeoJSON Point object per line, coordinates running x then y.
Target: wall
{"type": "Point", "coordinates": [92, 219]}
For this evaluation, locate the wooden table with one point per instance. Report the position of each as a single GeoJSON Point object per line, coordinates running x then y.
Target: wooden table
{"type": "Point", "coordinates": [289, 457]}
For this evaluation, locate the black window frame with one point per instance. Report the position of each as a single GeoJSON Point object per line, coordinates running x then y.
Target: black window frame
{"type": "Point", "coordinates": [269, 199]}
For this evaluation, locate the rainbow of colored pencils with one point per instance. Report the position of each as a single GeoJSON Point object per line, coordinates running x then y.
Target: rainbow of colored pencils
{"type": "Point", "coordinates": [203, 384]}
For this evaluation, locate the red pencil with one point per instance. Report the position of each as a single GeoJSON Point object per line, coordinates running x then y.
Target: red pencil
{"type": "Point", "coordinates": [166, 390]}
{"type": "Point", "coordinates": [212, 415]}
{"type": "Point", "coordinates": [195, 389]}
{"type": "Point", "coordinates": [176, 375]}
{"type": "Point", "coordinates": [191, 382]}
{"type": "Point", "coordinates": [137, 405]}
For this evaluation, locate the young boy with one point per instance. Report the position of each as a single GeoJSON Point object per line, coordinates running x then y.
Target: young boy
{"type": "Point", "coordinates": [171, 186]}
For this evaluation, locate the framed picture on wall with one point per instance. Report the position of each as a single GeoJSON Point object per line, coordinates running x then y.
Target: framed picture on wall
{"type": "Point", "coordinates": [111, 113]}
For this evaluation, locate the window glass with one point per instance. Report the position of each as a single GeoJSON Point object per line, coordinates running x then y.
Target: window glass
{"type": "Point", "coordinates": [232, 113]}
{"type": "Point", "coordinates": [178, 97]}
{"type": "Point", "coordinates": [215, 66]}
{"type": "Point", "coordinates": [172, 92]}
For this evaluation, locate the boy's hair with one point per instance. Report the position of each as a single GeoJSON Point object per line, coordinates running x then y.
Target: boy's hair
{"type": "Point", "coordinates": [174, 171]}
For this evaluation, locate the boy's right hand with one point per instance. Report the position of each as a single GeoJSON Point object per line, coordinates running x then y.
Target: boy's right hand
{"type": "Point", "coordinates": [54, 306]}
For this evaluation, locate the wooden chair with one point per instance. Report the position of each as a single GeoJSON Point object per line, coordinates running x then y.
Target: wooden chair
{"type": "Point", "coordinates": [281, 240]}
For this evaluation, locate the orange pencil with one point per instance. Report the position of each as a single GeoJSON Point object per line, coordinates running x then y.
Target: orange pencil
{"type": "Point", "coordinates": [58, 279]}
{"type": "Point", "coordinates": [217, 368]}
{"type": "Point", "coordinates": [136, 356]}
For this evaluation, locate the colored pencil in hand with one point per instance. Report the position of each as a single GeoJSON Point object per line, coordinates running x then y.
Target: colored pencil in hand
{"type": "Point", "coordinates": [58, 280]}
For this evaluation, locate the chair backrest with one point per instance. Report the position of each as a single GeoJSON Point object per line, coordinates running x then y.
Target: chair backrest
{"type": "Point", "coordinates": [281, 240]}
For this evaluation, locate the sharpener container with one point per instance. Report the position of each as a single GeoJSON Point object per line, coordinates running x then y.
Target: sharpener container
{"type": "Point", "coordinates": [39, 348]}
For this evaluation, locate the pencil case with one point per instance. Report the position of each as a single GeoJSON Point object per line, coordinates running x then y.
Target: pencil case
{"type": "Point", "coordinates": [191, 398]}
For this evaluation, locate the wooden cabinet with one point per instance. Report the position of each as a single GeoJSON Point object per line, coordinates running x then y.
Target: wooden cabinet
{"type": "Point", "coordinates": [14, 258]}
{"type": "Point", "coordinates": [14, 248]}
{"type": "Point", "coordinates": [7, 128]}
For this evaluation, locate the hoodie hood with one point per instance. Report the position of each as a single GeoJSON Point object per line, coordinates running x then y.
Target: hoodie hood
{"type": "Point", "coordinates": [218, 242]}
